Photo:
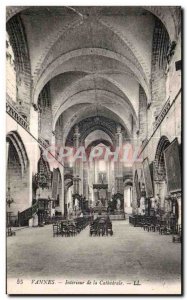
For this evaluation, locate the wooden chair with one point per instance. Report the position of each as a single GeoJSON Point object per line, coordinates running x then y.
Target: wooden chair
{"type": "Point", "coordinates": [109, 228]}
{"type": "Point", "coordinates": [71, 230]}
{"type": "Point", "coordinates": [152, 227]}
{"type": "Point", "coordinates": [146, 226]}
{"type": "Point", "coordinates": [101, 227]}
{"type": "Point", "coordinates": [177, 238]}
{"type": "Point", "coordinates": [157, 227]}
{"type": "Point", "coordinates": [93, 228]}
{"type": "Point", "coordinates": [65, 230]}
{"type": "Point", "coordinates": [10, 232]}
{"type": "Point", "coordinates": [56, 230]}
{"type": "Point", "coordinates": [166, 230]}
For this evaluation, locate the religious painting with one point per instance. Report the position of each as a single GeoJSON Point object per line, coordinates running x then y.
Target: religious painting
{"type": "Point", "coordinates": [137, 185]}
{"type": "Point", "coordinates": [173, 167]}
{"type": "Point", "coordinates": [147, 177]}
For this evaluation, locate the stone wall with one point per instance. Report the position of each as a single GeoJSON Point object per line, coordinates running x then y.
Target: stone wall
{"type": "Point", "coordinates": [23, 82]}
{"type": "Point", "coordinates": [167, 124]}
{"type": "Point", "coordinates": [142, 114]}
{"type": "Point", "coordinates": [33, 153]}
{"type": "Point", "coordinates": [18, 183]}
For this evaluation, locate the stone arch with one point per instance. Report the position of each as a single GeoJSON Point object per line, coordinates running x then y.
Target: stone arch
{"type": "Point", "coordinates": [97, 127]}
{"type": "Point", "coordinates": [128, 192]}
{"type": "Point", "coordinates": [159, 157]}
{"type": "Point", "coordinates": [88, 96]}
{"type": "Point", "coordinates": [67, 93]}
{"type": "Point", "coordinates": [167, 17]}
{"type": "Point", "coordinates": [86, 111]}
{"type": "Point", "coordinates": [123, 41]}
{"type": "Point", "coordinates": [99, 141]}
{"type": "Point", "coordinates": [160, 183]}
{"type": "Point", "coordinates": [16, 141]}
{"type": "Point", "coordinates": [90, 124]}
{"type": "Point", "coordinates": [128, 182]}
{"type": "Point", "coordinates": [93, 144]}
{"type": "Point", "coordinates": [53, 69]}
{"type": "Point", "coordinates": [97, 135]}
{"type": "Point", "coordinates": [18, 176]}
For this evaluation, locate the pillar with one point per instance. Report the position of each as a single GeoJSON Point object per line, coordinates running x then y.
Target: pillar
{"type": "Point", "coordinates": [76, 166]}
{"type": "Point", "coordinates": [118, 164]}
{"type": "Point", "coordinates": [7, 152]}
{"type": "Point", "coordinates": [179, 208]}
{"type": "Point", "coordinates": [62, 204]}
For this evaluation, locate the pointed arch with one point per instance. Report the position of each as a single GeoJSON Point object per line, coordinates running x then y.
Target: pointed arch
{"type": "Point", "coordinates": [159, 162]}
{"type": "Point", "coordinates": [14, 138]}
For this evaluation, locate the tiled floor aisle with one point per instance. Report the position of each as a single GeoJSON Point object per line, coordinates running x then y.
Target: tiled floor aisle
{"type": "Point", "coordinates": [129, 254]}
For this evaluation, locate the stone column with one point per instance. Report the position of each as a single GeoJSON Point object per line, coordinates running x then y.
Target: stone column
{"type": "Point", "coordinates": [7, 153]}
{"type": "Point", "coordinates": [118, 164]}
{"type": "Point", "coordinates": [76, 166]}
{"type": "Point", "coordinates": [142, 114]}
{"type": "Point", "coordinates": [162, 193]}
{"type": "Point", "coordinates": [61, 190]}
{"type": "Point", "coordinates": [85, 180]}
{"type": "Point", "coordinates": [179, 208]}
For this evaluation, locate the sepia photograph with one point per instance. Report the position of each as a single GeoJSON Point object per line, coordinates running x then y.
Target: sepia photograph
{"type": "Point", "coordinates": [94, 150]}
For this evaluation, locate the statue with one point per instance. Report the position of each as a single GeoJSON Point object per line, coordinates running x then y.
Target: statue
{"type": "Point", "coordinates": [142, 206]}
{"type": "Point", "coordinates": [76, 204]}
{"type": "Point", "coordinates": [118, 204]}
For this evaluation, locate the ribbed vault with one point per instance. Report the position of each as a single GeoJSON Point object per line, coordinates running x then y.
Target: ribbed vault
{"type": "Point", "coordinates": [93, 60]}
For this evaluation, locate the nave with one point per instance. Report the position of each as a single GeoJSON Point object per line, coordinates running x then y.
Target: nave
{"type": "Point", "coordinates": [93, 103]}
{"type": "Point", "coordinates": [131, 254]}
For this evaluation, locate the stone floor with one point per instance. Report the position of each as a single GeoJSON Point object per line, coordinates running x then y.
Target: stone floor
{"type": "Point", "coordinates": [130, 254]}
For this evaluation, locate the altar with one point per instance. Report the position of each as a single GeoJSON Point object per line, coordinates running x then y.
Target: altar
{"type": "Point", "coordinates": [100, 197]}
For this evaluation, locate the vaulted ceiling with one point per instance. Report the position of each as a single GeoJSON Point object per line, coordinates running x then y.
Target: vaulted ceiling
{"type": "Point", "coordinates": [94, 58]}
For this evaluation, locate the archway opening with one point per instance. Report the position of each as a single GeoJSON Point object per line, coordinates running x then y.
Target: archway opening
{"type": "Point", "coordinates": [160, 172]}
{"type": "Point", "coordinates": [18, 196]}
{"type": "Point", "coordinates": [128, 197]}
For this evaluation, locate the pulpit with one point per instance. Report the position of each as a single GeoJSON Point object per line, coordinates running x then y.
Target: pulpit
{"type": "Point", "coordinates": [43, 210]}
